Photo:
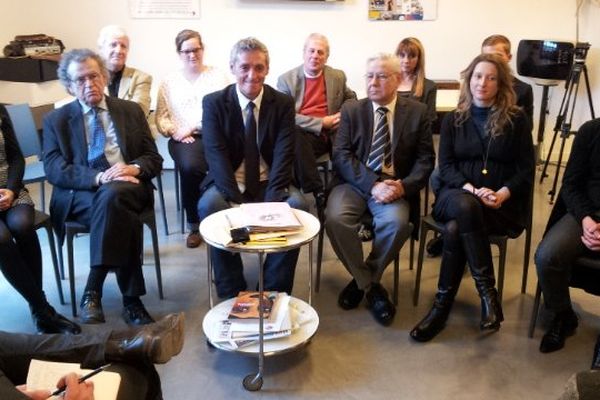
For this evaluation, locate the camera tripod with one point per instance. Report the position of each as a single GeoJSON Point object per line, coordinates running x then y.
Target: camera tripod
{"type": "Point", "coordinates": [565, 114]}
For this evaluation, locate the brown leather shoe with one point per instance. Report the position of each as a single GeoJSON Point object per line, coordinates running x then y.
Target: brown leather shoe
{"type": "Point", "coordinates": [91, 308]}
{"type": "Point", "coordinates": [156, 343]}
{"type": "Point", "coordinates": [193, 240]}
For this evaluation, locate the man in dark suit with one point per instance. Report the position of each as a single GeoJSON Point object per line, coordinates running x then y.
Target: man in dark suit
{"type": "Point", "coordinates": [100, 157]}
{"type": "Point", "coordinates": [319, 92]}
{"type": "Point", "coordinates": [382, 156]}
{"type": "Point", "coordinates": [247, 164]}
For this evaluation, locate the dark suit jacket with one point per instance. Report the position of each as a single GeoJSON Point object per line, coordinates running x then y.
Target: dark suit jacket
{"type": "Point", "coordinates": [412, 149]}
{"type": "Point", "coordinates": [524, 94]}
{"type": "Point", "coordinates": [223, 139]}
{"type": "Point", "coordinates": [65, 151]}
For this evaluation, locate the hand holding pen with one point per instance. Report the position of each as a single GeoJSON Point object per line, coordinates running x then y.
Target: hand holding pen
{"type": "Point", "coordinates": [77, 388]}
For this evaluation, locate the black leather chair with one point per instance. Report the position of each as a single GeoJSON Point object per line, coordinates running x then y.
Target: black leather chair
{"type": "Point", "coordinates": [72, 229]}
{"type": "Point", "coordinates": [582, 266]}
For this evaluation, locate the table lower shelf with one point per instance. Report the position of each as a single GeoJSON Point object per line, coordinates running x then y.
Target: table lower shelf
{"type": "Point", "coordinates": [299, 338]}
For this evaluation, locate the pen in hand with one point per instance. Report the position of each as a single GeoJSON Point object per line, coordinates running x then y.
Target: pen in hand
{"type": "Point", "coordinates": [85, 377]}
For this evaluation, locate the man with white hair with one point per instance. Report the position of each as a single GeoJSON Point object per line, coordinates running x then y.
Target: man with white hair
{"type": "Point", "coordinates": [383, 156]}
{"type": "Point", "coordinates": [319, 92]}
{"type": "Point", "coordinates": [125, 82]}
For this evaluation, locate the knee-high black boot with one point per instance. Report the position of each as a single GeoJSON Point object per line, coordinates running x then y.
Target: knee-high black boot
{"type": "Point", "coordinates": [451, 272]}
{"type": "Point", "coordinates": [479, 256]}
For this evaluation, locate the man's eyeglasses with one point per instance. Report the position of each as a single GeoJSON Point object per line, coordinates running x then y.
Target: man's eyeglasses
{"type": "Point", "coordinates": [81, 80]}
{"type": "Point", "coordinates": [379, 77]}
{"type": "Point", "coordinates": [191, 51]}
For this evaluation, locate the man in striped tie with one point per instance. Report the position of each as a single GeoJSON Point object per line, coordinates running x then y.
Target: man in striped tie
{"type": "Point", "coordinates": [383, 156]}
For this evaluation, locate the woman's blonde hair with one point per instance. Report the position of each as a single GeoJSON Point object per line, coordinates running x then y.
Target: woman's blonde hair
{"type": "Point", "coordinates": [504, 107]}
{"type": "Point", "coordinates": [413, 47]}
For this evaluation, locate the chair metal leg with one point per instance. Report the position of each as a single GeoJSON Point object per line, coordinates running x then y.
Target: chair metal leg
{"type": "Point", "coordinates": [71, 272]}
{"type": "Point", "coordinates": [411, 253]}
{"type": "Point", "coordinates": [152, 226]}
{"type": "Point", "coordinates": [526, 252]}
{"type": "Point", "coordinates": [319, 257]}
{"type": "Point", "coordinates": [43, 195]}
{"type": "Point", "coordinates": [161, 198]}
{"type": "Point", "coordinates": [535, 311]}
{"type": "Point", "coordinates": [396, 277]}
{"type": "Point", "coordinates": [422, 239]}
{"type": "Point", "coordinates": [52, 245]}
{"type": "Point", "coordinates": [501, 268]}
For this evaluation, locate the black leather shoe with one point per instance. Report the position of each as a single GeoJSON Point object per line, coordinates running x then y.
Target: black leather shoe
{"type": "Point", "coordinates": [430, 326]}
{"type": "Point", "coordinates": [155, 343]}
{"type": "Point", "coordinates": [563, 325]}
{"type": "Point", "coordinates": [136, 314]}
{"type": "Point", "coordinates": [380, 305]}
{"type": "Point", "coordinates": [351, 296]}
{"type": "Point", "coordinates": [47, 320]}
{"type": "Point", "coordinates": [596, 359]}
{"type": "Point", "coordinates": [91, 308]}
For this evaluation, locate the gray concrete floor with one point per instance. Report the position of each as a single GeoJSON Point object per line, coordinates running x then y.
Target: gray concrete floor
{"type": "Point", "coordinates": [351, 357]}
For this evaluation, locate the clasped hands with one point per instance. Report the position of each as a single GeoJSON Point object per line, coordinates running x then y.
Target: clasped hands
{"type": "Point", "coordinates": [75, 390]}
{"type": "Point", "coordinates": [185, 135]}
{"type": "Point", "coordinates": [120, 172]}
{"type": "Point", "coordinates": [7, 197]}
{"type": "Point", "coordinates": [331, 122]}
{"type": "Point", "coordinates": [387, 190]}
{"type": "Point", "coordinates": [591, 233]}
{"type": "Point", "coordinates": [489, 197]}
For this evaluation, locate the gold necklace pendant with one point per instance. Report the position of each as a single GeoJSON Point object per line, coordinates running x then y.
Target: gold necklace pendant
{"type": "Point", "coordinates": [484, 171]}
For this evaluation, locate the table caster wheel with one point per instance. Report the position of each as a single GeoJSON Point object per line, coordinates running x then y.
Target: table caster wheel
{"type": "Point", "coordinates": [252, 383]}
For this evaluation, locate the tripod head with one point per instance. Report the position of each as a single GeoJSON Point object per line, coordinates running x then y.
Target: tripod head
{"type": "Point", "coordinates": [580, 52]}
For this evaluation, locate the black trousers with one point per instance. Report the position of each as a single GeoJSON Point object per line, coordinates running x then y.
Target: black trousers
{"type": "Point", "coordinates": [138, 382]}
{"type": "Point", "coordinates": [192, 167]}
{"type": "Point", "coordinates": [309, 147]}
{"type": "Point", "coordinates": [112, 214]}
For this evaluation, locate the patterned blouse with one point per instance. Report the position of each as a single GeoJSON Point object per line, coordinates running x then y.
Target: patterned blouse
{"type": "Point", "coordinates": [179, 103]}
{"type": "Point", "coordinates": [23, 196]}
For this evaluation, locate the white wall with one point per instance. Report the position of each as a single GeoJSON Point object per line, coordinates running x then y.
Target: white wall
{"type": "Point", "coordinates": [451, 41]}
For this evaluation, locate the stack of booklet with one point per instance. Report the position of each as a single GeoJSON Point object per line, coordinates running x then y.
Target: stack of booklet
{"type": "Point", "coordinates": [241, 328]}
{"type": "Point", "coordinates": [266, 224]}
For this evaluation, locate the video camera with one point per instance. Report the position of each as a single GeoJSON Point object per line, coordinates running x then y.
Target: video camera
{"type": "Point", "coordinates": [547, 59]}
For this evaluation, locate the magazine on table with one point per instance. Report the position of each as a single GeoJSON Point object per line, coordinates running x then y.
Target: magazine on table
{"type": "Point", "coordinates": [247, 305]}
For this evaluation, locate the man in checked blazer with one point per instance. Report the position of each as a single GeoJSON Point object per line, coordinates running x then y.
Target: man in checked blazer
{"type": "Point", "coordinates": [387, 188]}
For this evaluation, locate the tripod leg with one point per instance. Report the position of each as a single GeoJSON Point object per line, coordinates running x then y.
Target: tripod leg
{"type": "Point", "coordinates": [552, 191]}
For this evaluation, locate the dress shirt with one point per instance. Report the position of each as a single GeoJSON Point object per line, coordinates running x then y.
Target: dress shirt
{"type": "Point", "coordinates": [240, 173]}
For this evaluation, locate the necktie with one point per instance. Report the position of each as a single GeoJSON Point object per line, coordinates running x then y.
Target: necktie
{"type": "Point", "coordinates": [381, 148]}
{"type": "Point", "coordinates": [96, 157]}
{"type": "Point", "coordinates": [251, 153]}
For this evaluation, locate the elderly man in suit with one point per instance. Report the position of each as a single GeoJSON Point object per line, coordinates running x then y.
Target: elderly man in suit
{"type": "Point", "coordinates": [319, 92]}
{"type": "Point", "coordinates": [100, 157]}
{"type": "Point", "coordinates": [247, 164]}
{"type": "Point", "coordinates": [382, 157]}
{"type": "Point", "coordinates": [125, 82]}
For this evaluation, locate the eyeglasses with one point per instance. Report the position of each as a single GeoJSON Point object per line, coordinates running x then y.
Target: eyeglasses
{"type": "Point", "coordinates": [191, 51]}
{"type": "Point", "coordinates": [81, 80]}
{"type": "Point", "coordinates": [379, 77]}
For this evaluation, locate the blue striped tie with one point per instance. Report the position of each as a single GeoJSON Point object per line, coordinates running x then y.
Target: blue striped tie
{"type": "Point", "coordinates": [381, 148]}
{"type": "Point", "coordinates": [96, 157]}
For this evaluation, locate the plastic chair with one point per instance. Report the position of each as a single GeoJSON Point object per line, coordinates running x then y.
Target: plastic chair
{"type": "Point", "coordinates": [42, 220]}
{"type": "Point", "coordinates": [30, 144]}
{"type": "Point", "coordinates": [581, 262]}
{"type": "Point", "coordinates": [73, 228]}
